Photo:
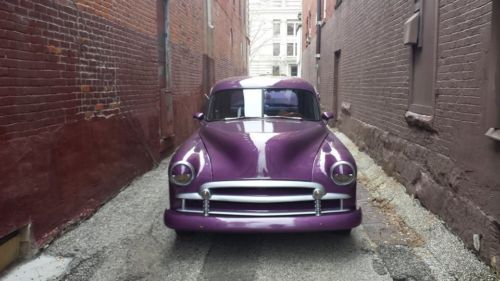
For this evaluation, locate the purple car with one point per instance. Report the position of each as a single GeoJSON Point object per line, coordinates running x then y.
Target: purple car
{"type": "Point", "coordinates": [263, 160]}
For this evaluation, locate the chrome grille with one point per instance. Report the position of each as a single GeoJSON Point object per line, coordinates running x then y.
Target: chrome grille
{"type": "Point", "coordinates": [262, 198]}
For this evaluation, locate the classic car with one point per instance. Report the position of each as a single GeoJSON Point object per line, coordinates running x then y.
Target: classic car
{"type": "Point", "coordinates": [263, 160]}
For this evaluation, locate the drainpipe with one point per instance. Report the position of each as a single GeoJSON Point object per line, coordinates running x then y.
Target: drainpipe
{"type": "Point", "coordinates": [318, 29]}
{"type": "Point", "coordinates": [318, 39]}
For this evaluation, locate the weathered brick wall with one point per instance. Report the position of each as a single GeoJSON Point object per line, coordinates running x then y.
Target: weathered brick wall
{"type": "Point", "coordinates": [187, 45]}
{"type": "Point", "coordinates": [229, 18]}
{"type": "Point", "coordinates": [80, 85]}
{"type": "Point", "coordinates": [78, 110]}
{"type": "Point", "coordinates": [453, 170]}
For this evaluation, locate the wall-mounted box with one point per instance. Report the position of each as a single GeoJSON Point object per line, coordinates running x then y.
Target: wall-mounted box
{"type": "Point", "coordinates": [411, 29]}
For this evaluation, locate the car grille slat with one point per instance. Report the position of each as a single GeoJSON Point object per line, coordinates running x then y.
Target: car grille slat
{"type": "Point", "coordinates": [262, 199]}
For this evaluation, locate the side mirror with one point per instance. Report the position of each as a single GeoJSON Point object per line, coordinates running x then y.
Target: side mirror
{"type": "Point", "coordinates": [327, 115]}
{"type": "Point", "coordinates": [199, 115]}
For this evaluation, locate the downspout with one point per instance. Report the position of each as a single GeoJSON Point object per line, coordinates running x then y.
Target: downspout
{"type": "Point", "coordinates": [318, 29]}
{"type": "Point", "coordinates": [318, 40]}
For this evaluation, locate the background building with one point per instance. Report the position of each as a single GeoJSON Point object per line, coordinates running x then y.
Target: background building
{"type": "Point", "coordinates": [429, 111]}
{"type": "Point", "coordinates": [93, 93]}
{"type": "Point", "coordinates": [274, 37]}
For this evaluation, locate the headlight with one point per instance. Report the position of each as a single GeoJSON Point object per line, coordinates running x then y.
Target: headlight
{"type": "Point", "coordinates": [342, 173]}
{"type": "Point", "coordinates": [182, 173]}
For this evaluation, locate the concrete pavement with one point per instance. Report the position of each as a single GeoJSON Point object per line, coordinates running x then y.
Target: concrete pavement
{"type": "Point", "coordinates": [126, 240]}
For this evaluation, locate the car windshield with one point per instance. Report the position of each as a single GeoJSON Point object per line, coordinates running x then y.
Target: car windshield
{"type": "Point", "coordinates": [263, 103]}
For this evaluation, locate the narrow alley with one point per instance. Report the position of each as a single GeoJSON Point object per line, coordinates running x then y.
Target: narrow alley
{"type": "Point", "coordinates": [127, 240]}
{"type": "Point", "coordinates": [249, 140]}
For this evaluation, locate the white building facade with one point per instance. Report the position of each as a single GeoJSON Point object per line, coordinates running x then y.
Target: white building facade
{"type": "Point", "coordinates": [275, 37]}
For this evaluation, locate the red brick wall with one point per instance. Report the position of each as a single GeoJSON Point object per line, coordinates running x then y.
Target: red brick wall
{"type": "Point", "coordinates": [452, 169]}
{"type": "Point", "coordinates": [227, 56]}
{"type": "Point", "coordinates": [187, 54]}
{"type": "Point", "coordinates": [79, 100]}
{"type": "Point", "coordinates": [187, 45]}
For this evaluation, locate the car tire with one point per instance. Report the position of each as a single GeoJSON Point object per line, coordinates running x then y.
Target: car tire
{"type": "Point", "coordinates": [343, 232]}
{"type": "Point", "coordinates": [182, 233]}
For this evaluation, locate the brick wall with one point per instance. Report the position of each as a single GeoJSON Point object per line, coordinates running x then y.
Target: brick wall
{"type": "Point", "coordinates": [186, 23]}
{"type": "Point", "coordinates": [451, 167]}
{"type": "Point", "coordinates": [228, 53]}
{"type": "Point", "coordinates": [187, 59]}
{"type": "Point", "coordinates": [80, 87]}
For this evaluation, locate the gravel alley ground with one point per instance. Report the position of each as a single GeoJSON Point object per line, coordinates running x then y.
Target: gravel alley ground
{"type": "Point", "coordinates": [126, 240]}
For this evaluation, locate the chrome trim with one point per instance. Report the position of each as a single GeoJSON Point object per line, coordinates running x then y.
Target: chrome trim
{"type": "Point", "coordinates": [260, 198]}
{"type": "Point", "coordinates": [206, 207]}
{"type": "Point", "coordinates": [189, 196]}
{"type": "Point", "coordinates": [317, 207]}
{"type": "Point", "coordinates": [263, 214]}
{"type": "Point", "coordinates": [185, 163]}
{"type": "Point", "coordinates": [262, 183]}
{"type": "Point", "coordinates": [335, 196]}
{"type": "Point", "coordinates": [340, 163]}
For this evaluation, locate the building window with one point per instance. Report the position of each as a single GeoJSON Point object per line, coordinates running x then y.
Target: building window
{"type": "Point", "coordinates": [291, 49]}
{"type": "Point", "coordinates": [276, 70]}
{"type": "Point", "coordinates": [291, 28]}
{"type": "Point", "coordinates": [276, 49]}
{"type": "Point", "coordinates": [293, 70]}
{"type": "Point", "coordinates": [276, 27]}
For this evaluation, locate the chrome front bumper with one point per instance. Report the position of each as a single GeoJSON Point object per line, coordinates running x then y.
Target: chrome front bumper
{"type": "Point", "coordinates": [316, 197]}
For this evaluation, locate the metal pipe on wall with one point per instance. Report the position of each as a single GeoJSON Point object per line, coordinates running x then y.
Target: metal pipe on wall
{"type": "Point", "coordinates": [318, 40]}
{"type": "Point", "coordinates": [318, 28]}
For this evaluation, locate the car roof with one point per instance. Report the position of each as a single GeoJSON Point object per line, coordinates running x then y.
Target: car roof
{"type": "Point", "coordinates": [267, 82]}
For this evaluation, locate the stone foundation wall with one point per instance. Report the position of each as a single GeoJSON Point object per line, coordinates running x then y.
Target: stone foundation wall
{"type": "Point", "coordinates": [433, 179]}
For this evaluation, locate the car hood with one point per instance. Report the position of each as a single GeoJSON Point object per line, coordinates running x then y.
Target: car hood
{"type": "Point", "coordinates": [262, 148]}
